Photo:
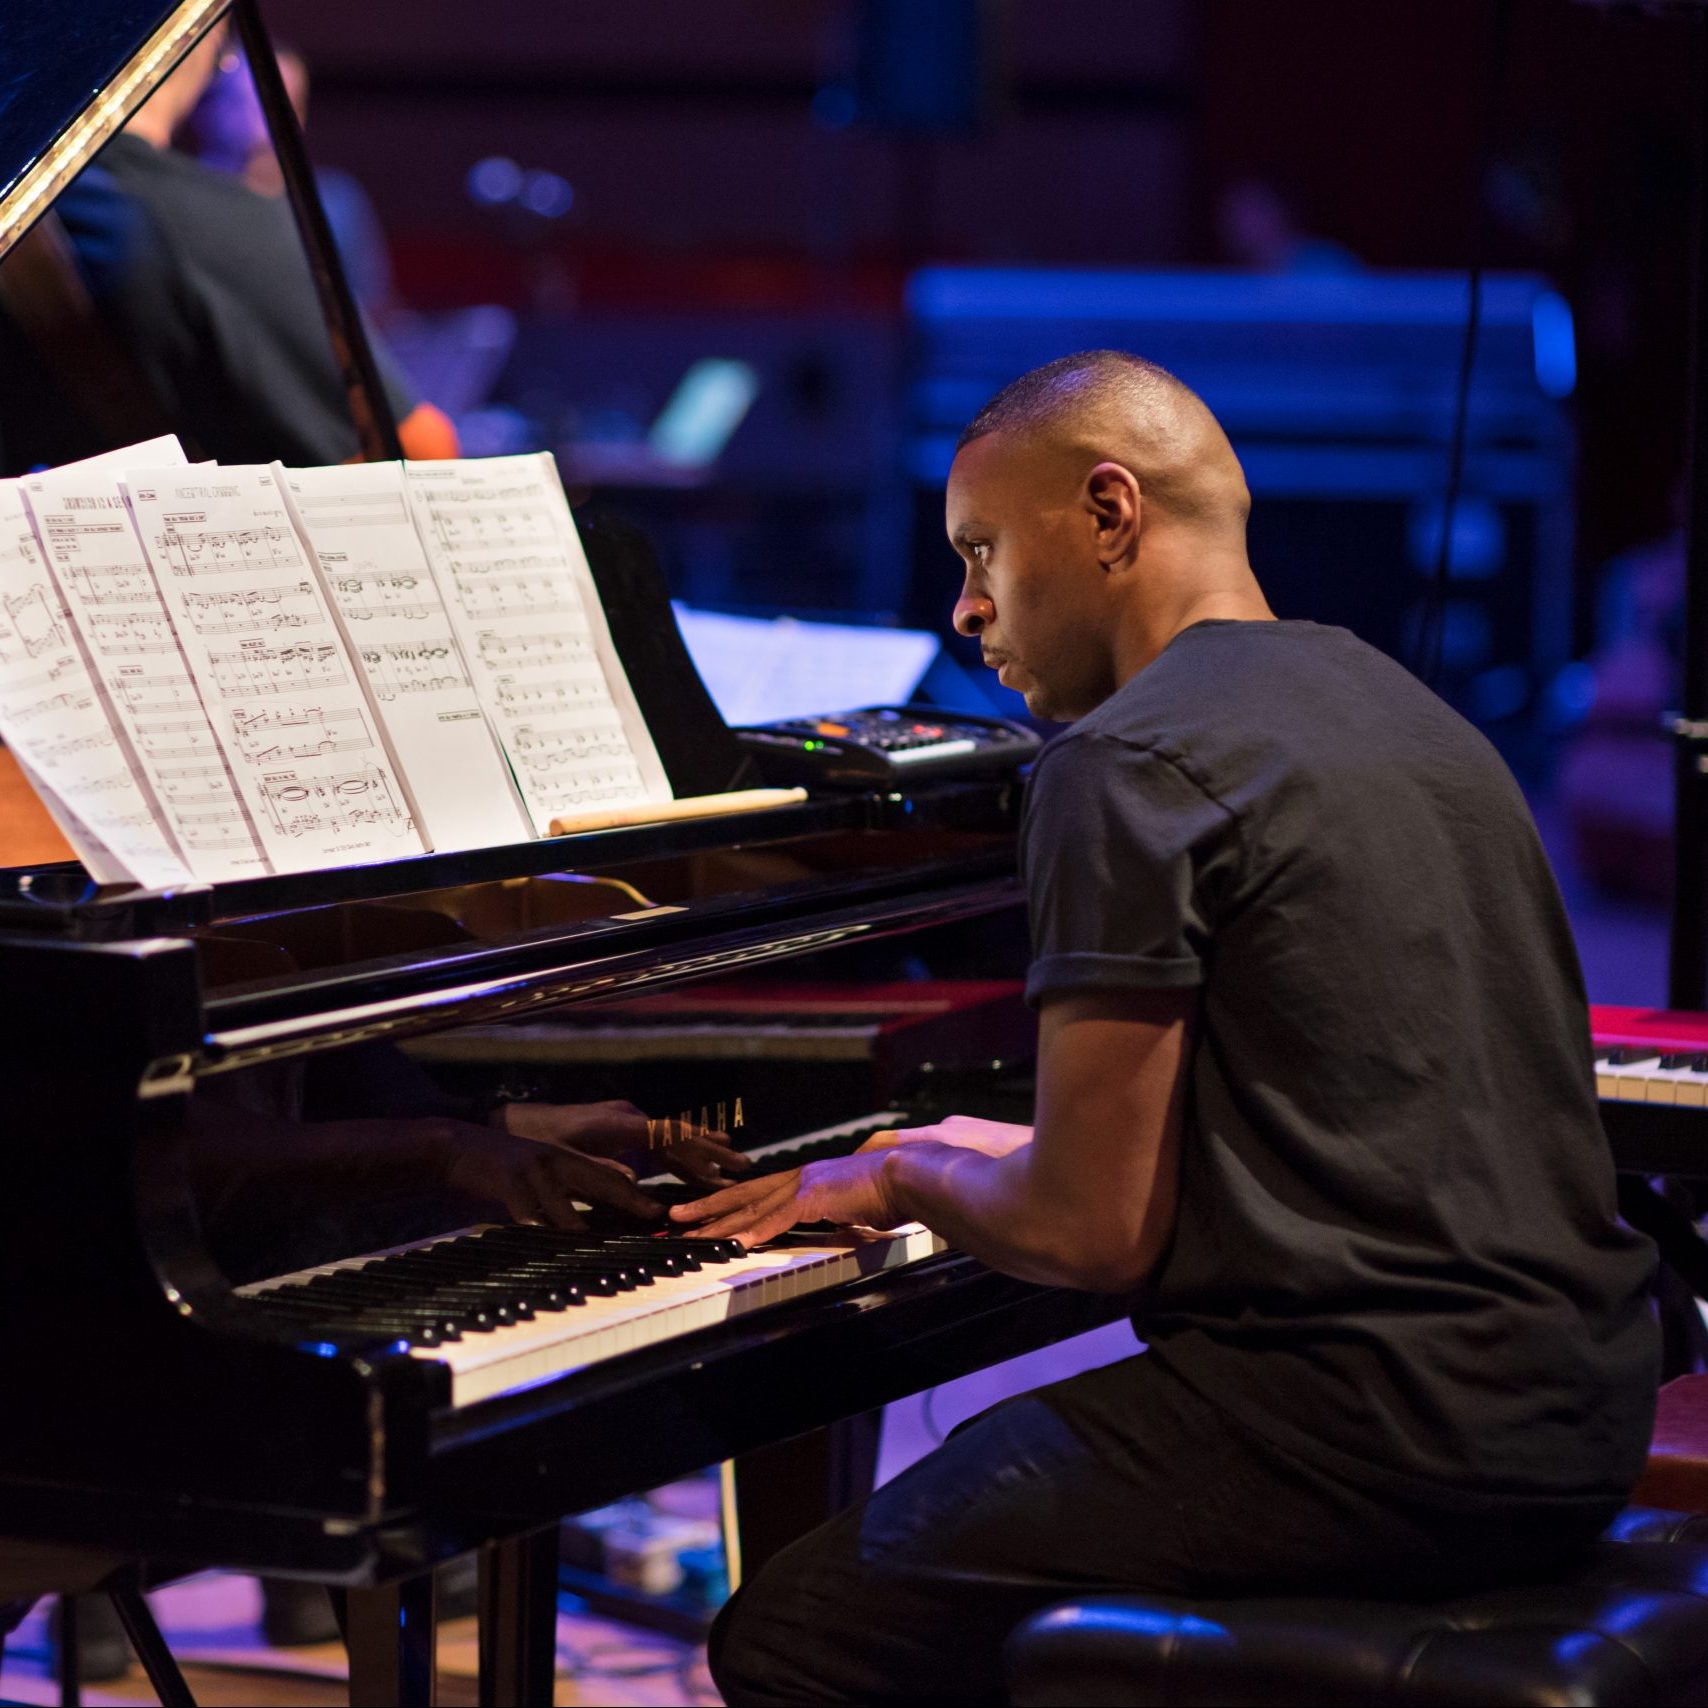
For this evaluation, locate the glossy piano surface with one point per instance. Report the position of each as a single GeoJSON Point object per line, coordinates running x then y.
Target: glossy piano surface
{"type": "Point", "coordinates": [53, 57]}
{"type": "Point", "coordinates": [209, 1112]}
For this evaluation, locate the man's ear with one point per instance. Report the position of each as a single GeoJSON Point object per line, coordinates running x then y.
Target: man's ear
{"type": "Point", "coordinates": [1116, 508]}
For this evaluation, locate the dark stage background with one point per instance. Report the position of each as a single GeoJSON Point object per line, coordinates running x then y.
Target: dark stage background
{"type": "Point", "coordinates": [581, 201]}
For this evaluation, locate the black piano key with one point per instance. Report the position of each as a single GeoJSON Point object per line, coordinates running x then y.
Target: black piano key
{"type": "Point", "coordinates": [434, 1276]}
{"type": "Point", "coordinates": [360, 1289]}
{"type": "Point", "coordinates": [538, 1292]}
{"type": "Point", "coordinates": [678, 1251]}
{"type": "Point", "coordinates": [545, 1287]}
{"type": "Point", "coordinates": [1627, 1055]}
{"type": "Point", "coordinates": [685, 1245]}
{"type": "Point", "coordinates": [623, 1273]}
{"type": "Point", "coordinates": [603, 1279]}
{"type": "Point", "coordinates": [538, 1281]}
{"type": "Point", "coordinates": [661, 1262]}
{"type": "Point", "coordinates": [363, 1331]}
{"type": "Point", "coordinates": [472, 1315]}
{"type": "Point", "coordinates": [1677, 1059]}
{"type": "Point", "coordinates": [290, 1301]}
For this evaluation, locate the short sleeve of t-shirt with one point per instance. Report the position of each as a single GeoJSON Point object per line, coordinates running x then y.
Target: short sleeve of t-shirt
{"type": "Point", "coordinates": [1116, 846]}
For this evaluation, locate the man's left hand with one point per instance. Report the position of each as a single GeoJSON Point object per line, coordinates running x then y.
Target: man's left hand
{"type": "Point", "coordinates": [853, 1191]}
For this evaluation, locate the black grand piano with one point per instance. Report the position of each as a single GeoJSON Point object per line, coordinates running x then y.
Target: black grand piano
{"type": "Point", "coordinates": [226, 1351]}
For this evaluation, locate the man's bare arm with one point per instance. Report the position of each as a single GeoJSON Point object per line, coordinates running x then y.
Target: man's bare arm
{"type": "Point", "coordinates": [1089, 1203]}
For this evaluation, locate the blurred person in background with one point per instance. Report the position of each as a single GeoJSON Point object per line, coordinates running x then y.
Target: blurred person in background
{"type": "Point", "coordinates": [165, 296]}
{"type": "Point", "coordinates": [228, 131]}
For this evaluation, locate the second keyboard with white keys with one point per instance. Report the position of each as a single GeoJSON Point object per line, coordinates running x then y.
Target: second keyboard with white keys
{"type": "Point", "coordinates": [1637, 1073]}
{"type": "Point", "coordinates": [505, 1307]}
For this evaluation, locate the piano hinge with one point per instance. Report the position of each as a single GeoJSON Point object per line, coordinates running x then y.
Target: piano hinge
{"type": "Point", "coordinates": [169, 1076]}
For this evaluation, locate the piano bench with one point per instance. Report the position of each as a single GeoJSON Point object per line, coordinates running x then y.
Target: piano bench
{"type": "Point", "coordinates": [1629, 1627]}
{"type": "Point", "coordinates": [1676, 1476]}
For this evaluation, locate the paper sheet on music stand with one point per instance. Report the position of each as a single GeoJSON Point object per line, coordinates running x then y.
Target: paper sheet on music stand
{"type": "Point", "coordinates": [355, 517]}
{"type": "Point", "coordinates": [55, 719]}
{"type": "Point", "coordinates": [759, 669]}
{"type": "Point", "coordinates": [516, 581]}
{"type": "Point", "coordinates": [55, 716]}
{"type": "Point", "coordinates": [84, 527]}
{"type": "Point", "coordinates": [286, 702]}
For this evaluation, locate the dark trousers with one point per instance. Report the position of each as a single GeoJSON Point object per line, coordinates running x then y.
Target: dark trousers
{"type": "Point", "coordinates": [1117, 1479]}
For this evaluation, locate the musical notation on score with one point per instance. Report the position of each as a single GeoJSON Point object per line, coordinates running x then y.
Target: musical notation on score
{"type": "Point", "coordinates": [304, 732]}
{"type": "Point", "coordinates": [205, 551]}
{"type": "Point", "coordinates": [253, 610]}
{"type": "Point", "coordinates": [399, 668]}
{"type": "Point", "coordinates": [518, 651]}
{"type": "Point", "coordinates": [34, 618]}
{"type": "Point", "coordinates": [256, 668]}
{"type": "Point", "coordinates": [334, 802]}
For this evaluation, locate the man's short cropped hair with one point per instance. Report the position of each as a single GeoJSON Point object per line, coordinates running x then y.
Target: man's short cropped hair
{"type": "Point", "coordinates": [1048, 395]}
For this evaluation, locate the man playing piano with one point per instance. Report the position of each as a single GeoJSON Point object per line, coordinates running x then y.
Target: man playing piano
{"type": "Point", "coordinates": [1313, 1085]}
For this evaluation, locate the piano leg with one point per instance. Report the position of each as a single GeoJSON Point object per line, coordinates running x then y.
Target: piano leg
{"type": "Point", "coordinates": [150, 1646]}
{"type": "Point", "coordinates": [70, 1680]}
{"type": "Point", "coordinates": [790, 1487]}
{"type": "Point", "coordinates": [389, 1630]}
{"type": "Point", "coordinates": [518, 1620]}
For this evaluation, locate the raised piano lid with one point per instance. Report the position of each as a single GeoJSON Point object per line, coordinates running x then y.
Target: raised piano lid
{"type": "Point", "coordinates": [70, 76]}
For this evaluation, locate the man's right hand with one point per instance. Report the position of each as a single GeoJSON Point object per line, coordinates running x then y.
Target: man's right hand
{"type": "Point", "coordinates": [541, 1182]}
{"type": "Point", "coordinates": [993, 1138]}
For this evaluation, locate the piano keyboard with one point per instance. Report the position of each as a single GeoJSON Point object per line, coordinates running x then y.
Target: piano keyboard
{"type": "Point", "coordinates": [505, 1307]}
{"type": "Point", "coordinates": [1637, 1073]}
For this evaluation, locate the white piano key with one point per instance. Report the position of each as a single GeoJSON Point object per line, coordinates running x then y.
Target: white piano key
{"type": "Point", "coordinates": [573, 1339]}
{"type": "Point", "coordinates": [1625, 1082]}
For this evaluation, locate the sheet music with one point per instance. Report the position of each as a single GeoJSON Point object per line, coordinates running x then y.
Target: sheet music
{"type": "Point", "coordinates": [93, 855]}
{"type": "Point", "coordinates": [356, 519]}
{"type": "Point", "coordinates": [758, 669]}
{"type": "Point", "coordinates": [509, 563]}
{"type": "Point", "coordinates": [54, 718]}
{"type": "Point", "coordinates": [99, 565]}
{"type": "Point", "coordinates": [285, 700]}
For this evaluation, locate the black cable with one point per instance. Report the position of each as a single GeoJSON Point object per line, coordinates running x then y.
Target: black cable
{"type": "Point", "coordinates": [1431, 629]}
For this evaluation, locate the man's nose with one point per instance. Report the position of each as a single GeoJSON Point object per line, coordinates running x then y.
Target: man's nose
{"type": "Point", "coordinates": [973, 614]}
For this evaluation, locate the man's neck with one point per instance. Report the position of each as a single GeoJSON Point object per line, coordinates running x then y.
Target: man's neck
{"type": "Point", "coordinates": [1217, 587]}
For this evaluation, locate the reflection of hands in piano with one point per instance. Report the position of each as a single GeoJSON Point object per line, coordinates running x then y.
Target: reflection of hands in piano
{"type": "Point", "coordinates": [992, 1138]}
{"type": "Point", "coordinates": [543, 1183]}
{"type": "Point", "coordinates": [853, 1191]}
{"type": "Point", "coordinates": [618, 1129]}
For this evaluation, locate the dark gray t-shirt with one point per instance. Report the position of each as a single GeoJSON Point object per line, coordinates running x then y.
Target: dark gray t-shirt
{"type": "Point", "coordinates": [1396, 1251]}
